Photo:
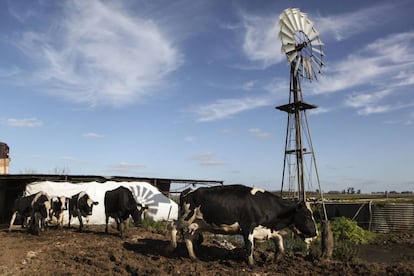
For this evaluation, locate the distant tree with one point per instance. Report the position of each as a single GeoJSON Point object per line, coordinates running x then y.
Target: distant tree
{"type": "Point", "coordinates": [351, 190]}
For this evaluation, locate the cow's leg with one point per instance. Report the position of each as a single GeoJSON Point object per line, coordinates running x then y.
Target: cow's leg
{"type": "Point", "coordinates": [12, 220]}
{"type": "Point", "coordinates": [190, 248]}
{"type": "Point", "coordinates": [87, 221]}
{"type": "Point", "coordinates": [60, 220]}
{"type": "Point", "coordinates": [174, 232]}
{"type": "Point", "coordinates": [70, 217]}
{"type": "Point", "coordinates": [121, 228]}
{"type": "Point", "coordinates": [80, 222]}
{"type": "Point", "coordinates": [118, 223]}
{"type": "Point", "coordinates": [189, 237]}
{"type": "Point", "coordinates": [106, 223]}
{"type": "Point", "coordinates": [279, 248]}
{"type": "Point", "coordinates": [26, 221]}
{"type": "Point", "coordinates": [249, 244]}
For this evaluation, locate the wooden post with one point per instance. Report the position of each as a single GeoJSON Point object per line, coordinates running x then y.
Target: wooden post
{"type": "Point", "coordinates": [327, 241]}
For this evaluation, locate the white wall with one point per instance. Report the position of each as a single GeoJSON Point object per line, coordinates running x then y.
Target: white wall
{"type": "Point", "coordinates": [160, 207]}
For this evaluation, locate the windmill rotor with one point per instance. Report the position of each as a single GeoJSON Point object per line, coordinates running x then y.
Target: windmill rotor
{"type": "Point", "coordinates": [301, 43]}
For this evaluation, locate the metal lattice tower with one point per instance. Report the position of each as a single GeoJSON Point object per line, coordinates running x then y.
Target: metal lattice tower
{"type": "Point", "coordinates": [299, 166]}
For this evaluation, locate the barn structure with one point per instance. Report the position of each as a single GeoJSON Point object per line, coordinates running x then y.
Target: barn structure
{"type": "Point", "coordinates": [13, 186]}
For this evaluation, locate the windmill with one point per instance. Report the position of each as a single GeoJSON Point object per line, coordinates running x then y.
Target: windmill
{"type": "Point", "coordinates": [303, 48]}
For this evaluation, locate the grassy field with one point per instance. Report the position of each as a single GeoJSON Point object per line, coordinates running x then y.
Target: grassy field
{"type": "Point", "coordinates": [338, 197]}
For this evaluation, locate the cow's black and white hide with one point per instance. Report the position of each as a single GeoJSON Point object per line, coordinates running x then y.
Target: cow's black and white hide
{"type": "Point", "coordinates": [120, 205]}
{"type": "Point", "coordinates": [239, 210]}
{"type": "Point", "coordinates": [59, 204]}
{"type": "Point", "coordinates": [31, 207]}
{"type": "Point", "coordinates": [81, 205]}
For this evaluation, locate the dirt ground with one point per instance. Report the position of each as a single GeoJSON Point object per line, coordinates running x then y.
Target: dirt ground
{"type": "Point", "coordinates": [142, 252]}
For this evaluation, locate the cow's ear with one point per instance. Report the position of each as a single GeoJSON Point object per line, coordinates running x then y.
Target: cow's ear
{"type": "Point", "coordinates": [95, 203]}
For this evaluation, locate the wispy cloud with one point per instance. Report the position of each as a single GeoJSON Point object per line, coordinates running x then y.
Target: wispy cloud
{"type": "Point", "coordinates": [92, 135]}
{"type": "Point", "coordinates": [367, 103]}
{"type": "Point", "coordinates": [129, 165]}
{"type": "Point", "coordinates": [126, 167]}
{"type": "Point", "coordinates": [70, 158]}
{"type": "Point", "coordinates": [202, 156]}
{"type": "Point", "coordinates": [226, 108]}
{"type": "Point", "coordinates": [259, 133]}
{"type": "Point", "coordinates": [26, 122]}
{"type": "Point", "coordinates": [387, 61]}
{"type": "Point", "coordinates": [343, 26]}
{"type": "Point", "coordinates": [206, 159]}
{"type": "Point", "coordinates": [260, 43]}
{"type": "Point", "coordinates": [100, 55]}
{"type": "Point", "coordinates": [385, 66]}
{"type": "Point", "coordinates": [190, 139]}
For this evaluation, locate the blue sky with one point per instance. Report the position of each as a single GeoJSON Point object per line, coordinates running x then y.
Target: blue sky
{"type": "Point", "coordinates": [187, 89]}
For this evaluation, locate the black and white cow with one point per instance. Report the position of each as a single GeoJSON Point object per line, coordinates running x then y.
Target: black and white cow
{"type": "Point", "coordinates": [28, 206]}
{"type": "Point", "coordinates": [59, 204]}
{"type": "Point", "coordinates": [239, 210]}
{"type": "Point", "coordinates": [81, 205]}
{"type": "Point", "coordinates": [120, 204]}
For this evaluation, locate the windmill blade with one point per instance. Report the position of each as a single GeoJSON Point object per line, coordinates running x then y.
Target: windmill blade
{"type": "Point", "coordinates": [297, 19]}
{"type": "Point", "coordinates": [284, 17]}
{"type": "Point", "coordinates": [317, 60]}
{"type": "Point", "coordinates": [317, 64]}
{"type": "Point", "coordinates": [301, 43]}
{"type": "Point", "coordinates": [317, 42]}
{"type": "Point", "coordinates": [298, 62]}
{"type": "Point", "coordinates": [284, 24]}
{"type": "Point", "coordinates": [308, 26]}
{"type": "Point", "coordinates": [291, 20]}
{"type": "Point", "coordinates": [308, 68]}
{"type": "Point", "coordinates": [291, 57]}
{"type": "Point", "coordinates": [287, 48]}
{"type": "Point", "coordinates": [313, 34]}
{"type": "Point", "coordinates": [303, 21]}
{"type": "Point", "coordinates": [317, 50]}
{"type": "Point", "coordinates": [286, 37]}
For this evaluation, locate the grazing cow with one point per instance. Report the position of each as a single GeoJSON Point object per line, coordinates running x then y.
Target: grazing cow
{"type": "Point", "coordinates": [58, 205]}
{"type": "Point", "coordinates": [28, 206]}
{"type": "Point", "coordinates": [120, 204]}
{"type": "Point", "coordinates": [239, 210]}
{"type": "Point", "coordinates": [81, 205]}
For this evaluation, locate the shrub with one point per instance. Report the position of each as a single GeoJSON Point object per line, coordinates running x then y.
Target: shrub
{"type": "Point", "coordinates": [347, 229]}
{"type": "Point", "coordinates": [347, 235]}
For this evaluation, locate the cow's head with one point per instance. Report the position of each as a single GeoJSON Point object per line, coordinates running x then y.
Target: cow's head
{"type": "Point", "coordinates": [65, 202]}
{"type": "Point", "coordinates": [85, 204]}
{"type": "Point", "coordinates": [42, 209]}
{"type": "Point", "coordinates": [89, 205]}
{"type": "Point", "coordinates": [304, 221]}
{"type": "Point", "coordinates": [136, 213]}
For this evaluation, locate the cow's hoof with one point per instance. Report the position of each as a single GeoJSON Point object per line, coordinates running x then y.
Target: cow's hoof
{"type": "Point", "coordinates": [194, 260]}
{"type": "Point", "coordinates": [278, 257]}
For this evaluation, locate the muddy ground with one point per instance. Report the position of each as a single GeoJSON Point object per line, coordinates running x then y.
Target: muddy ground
{"type": "Point", "coordinates": [142, 252]}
